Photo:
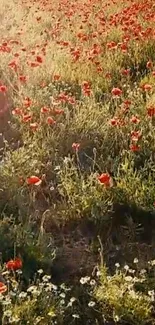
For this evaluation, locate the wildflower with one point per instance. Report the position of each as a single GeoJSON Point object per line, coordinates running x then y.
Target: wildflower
{"type": "Point", "coordinates": [135, 119]}
{"type": "Point", "coordinates": [50, 121]}
{"type": "Point", "coordinates": [147, 87]}
{"type": "Point", "coordinates": [75, 316]}
{"type": "Point", "coordinates": [33, 64]}
{"type": "Point", "coordinates": [98, 273]}
{"type": "Point", "coordinates": [149, 64]}
{"type": "Point", "coordinates": [34, 180]}
{"type": "Point", "coordinates": [132, 271]}
{"type": "Point", "coordinates": [54, 287]}
{"type": "Point", "coordinates": [75, 146]}
{"type": "Point", "coordinates": [45, 109]}
{"type": "Point", "coordinates": [91, 304]}
{"type": "Point", "coordinates": [40, 271]}
{"type": "Point", "coordinates": [27, 118]}
{"type": "Point", "coordinates": [111, 45]}
{"type": "Point", "coordinates": [116, 318]}
{"type": "Point", "coordinates": [135, 135]}
{"type": "Point", "coordinates": [62, 302]}
{"type": "Point", "coordinates": [135, 260]}
{"type": "Point", "coordinates": [117, 265]}
{"type": "Point", "coordinates": [151, 111]}
{"type": "Point", "coordinates": [84, 280]}
{"type": "Point", "coordinates": [143, 271]}
{"type": "Point", "coordinates": [125, 72]}
{"type": "Point", "coordinates": [58, 111]}
{"type": "Point", "coordinates": [126, 267]}
{"type": "Point", "coordinates": [32, 289]}
{"type": "Point", "coordinates": [152, 263]}
{"type": "Point", "coordinates": [17, 111]}
{"type": "Point", "coordinates": [108, 75]}
{"type": "Point", "coordinates": [116, 92]}
{"type": "Point", "coordinates": [128, 278]}
{"type": "Point", "coordinates": [92, 282]}
{"type": "Point", "coordinates": [14, 264]}
{"type": "Point", "coordinates": [13, 65]}
{"type": "Point", "coordinates": [134, 147]}
{"type": "Point", "coordinates": [22, 294]}
{"type": "Point", "coordinates": [19, 272]}
{"type": "Point", "coordinates": [56, 77]}
{"type": "Point", "coordinates": [72, 300]}
{"type": "Point", "coordinates": [34, 126]}
{"type": "Point", "coordinates": [127, 103]}
{"type": "Point", "coordinates": [105, 179]}
{"type": "Point", "coordinates": [39, 59]}
{"type": "Point", "coordinates": [62, 295]}
{"type": "Point", "coordinates": [46, 278]}
{"type": "Point", "coordinates": [3, 287]}
{"type": "Point", "coordinates": [7, 313]}
{"type": "Point", "coordinates": [16, 55]}
{"type": "Point", "coordinates": [86, 88]}
{"type": "Point", "coordinates": [64, 287]}
{"type": "Point", "coordinates": [114, 121]}
{"type": "Point", "coordinates": [151, 292]}
{"type": "Point", "coordinates": [23, 78]}
{"type": "Point", "coordinates": [3, 88]}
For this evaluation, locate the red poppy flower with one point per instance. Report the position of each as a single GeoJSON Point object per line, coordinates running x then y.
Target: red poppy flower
{"type": "Point", "coordinates": [75, 146]}
{"type": "Point", "coordinates": [3, 89]}
{"type": "Point", "coordinates": [105, 179]}
{"type": "Point", "coordinates": [147, 87]}
{"type": "Point", "coordinates": [57, 111]}
{"type": "Point", "coordinates": [18, 263]}
{"type": "Point", "coordinates": [125, 72]}
{"type": "Point", "coordinates": [16, 55]}
{"type": "Point", "coordinates": [135, 135]}
{"type": "Point", "coordinates": [33, 180]}
{"type": "Point", "coordinates": [114, 121]}
{"type": "Point", "coordinates": [151, 111]}
{"type": "Point", "coordinates": [134, 147]}
{"type": "Point", "coordinates": [27, 118]}
{"type": "Point", "coordinates": [127, 102]}
{"type": "Point", "coordinates": [86, 88]}
{"type": "Point", "coordinates": [23, 78]}
{"type": "Point", "coordinates": [86, 84]}
{"type": "Point", "coordinates": [33, 64]}
{"type": "Point", "coordinates": [56, 77]}
{"type": "Point", "coordinates": [39, 59]}
{"type": "Point", "coordinates": [50, 121]}
{"type": "Point", "coordinates": [149, 64]}
{"type": "Point", "coordinates": [116, 92]}
{"type": "Point", "coordinates": [17, 111]}
{"type": "Point", "coordinates": [108, 75]}
{"type": "Point", "coordinates": [13, 65]}
{"type": "Point", "coordinates": [3, 287]}
{"type": "Point", "coordinates": [45, 109]}
{"type": "Point", "coordinates": [15, 264]}
{"type": "Point", "coordinates": [135, 119]}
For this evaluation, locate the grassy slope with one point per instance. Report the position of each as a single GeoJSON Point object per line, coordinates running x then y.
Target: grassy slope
{"type": "Point", "coordinates": [78, 67]}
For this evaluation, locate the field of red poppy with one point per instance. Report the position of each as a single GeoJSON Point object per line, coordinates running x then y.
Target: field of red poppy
{"type": "Point", "coordinates": [77, 161]}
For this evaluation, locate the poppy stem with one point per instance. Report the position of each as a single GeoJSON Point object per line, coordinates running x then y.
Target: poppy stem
{"type": "Point", "coordinates": [15, 251]}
